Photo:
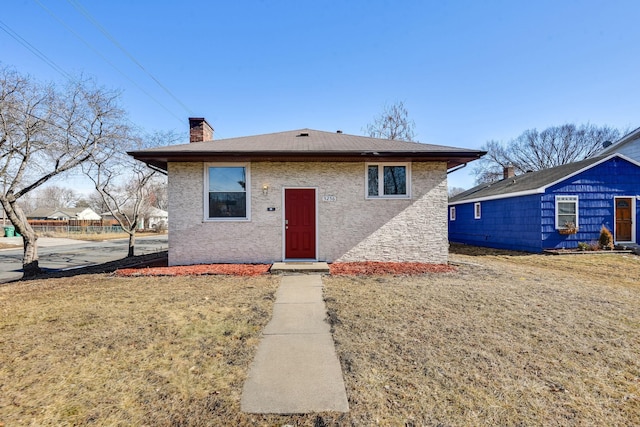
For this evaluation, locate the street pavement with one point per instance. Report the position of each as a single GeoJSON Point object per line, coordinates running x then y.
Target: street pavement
{"type": "Point", "coordinates": [60, 254]}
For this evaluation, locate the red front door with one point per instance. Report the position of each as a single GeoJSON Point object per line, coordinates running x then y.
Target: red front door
{"type": "Point", "coordinates": [300, 223]}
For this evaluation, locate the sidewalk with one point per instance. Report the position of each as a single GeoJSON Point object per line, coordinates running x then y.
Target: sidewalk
{"type": "Point", "coordinates": [43, 242]}
{"type": "Point", "coordinates": [296, 369]}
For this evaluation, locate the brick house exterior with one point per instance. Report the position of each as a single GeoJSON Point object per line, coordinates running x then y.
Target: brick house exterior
{"type": "Point", "coordinates": [367, 199]}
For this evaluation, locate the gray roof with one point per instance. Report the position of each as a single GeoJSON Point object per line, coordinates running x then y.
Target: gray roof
{"type": "Point", "coordinates": [305, 145]}
{"type": "Point", "coordinates": [47, 212]}
{"type": "Point", "coordinates": [630, 137]}
{"type": "Point", "coordinates": [527, 183]}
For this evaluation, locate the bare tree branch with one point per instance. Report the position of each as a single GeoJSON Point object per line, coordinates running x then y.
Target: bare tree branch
{"type": "Point", "coordinates": [392, 123]}
{"type": "Point", "coordinates": [534, 150]}
{"type": "Point", "coordinates": [44, 132]}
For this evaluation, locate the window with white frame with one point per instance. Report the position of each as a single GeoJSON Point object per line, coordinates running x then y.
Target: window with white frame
{"type": "Point", "coordinates": [566, 212]}
{"type": "Point", "coordinates": [477, 210]}
{"type": "Point", "coordinates": [388, 180]}
{"type": "Point", "coordinates": [226, 191]}
{"type": "Point", "coordinates": [452, 213]}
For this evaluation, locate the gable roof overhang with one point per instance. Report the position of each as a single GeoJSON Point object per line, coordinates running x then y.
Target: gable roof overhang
{"type": "Point", "coordinates": [531, 183]}
{"type": "Point", "coordinates": [626, 139]}
{"type": "Point", "coordinates": [305, 145]}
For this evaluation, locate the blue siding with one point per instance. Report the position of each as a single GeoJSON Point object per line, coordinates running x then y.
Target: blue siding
{"type": "Point", "coordinates": [512, 223]}
{"type": "Point", "coordinates": [596, 189]}
{"type": "Point", "coordinates": [528, 222]}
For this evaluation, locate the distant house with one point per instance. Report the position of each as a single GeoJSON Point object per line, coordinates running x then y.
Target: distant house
{"type": "Point", "coordinates": [152, 218]}
{"type": "Point", "coordinates": [628, 145]}
{"type": "Point", "coordinates": [305, 195]}
{"type": "Point", "coordinates": [84, 214]}
{"type": "Point", "coordinates": [552, 208]}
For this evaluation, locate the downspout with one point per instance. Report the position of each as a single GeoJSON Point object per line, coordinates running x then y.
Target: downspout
{"type": "Point", "coordinates": [457, 168]}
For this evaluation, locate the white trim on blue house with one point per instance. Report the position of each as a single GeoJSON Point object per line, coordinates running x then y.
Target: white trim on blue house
{"type": "Point", "coordinates": [542, 189]}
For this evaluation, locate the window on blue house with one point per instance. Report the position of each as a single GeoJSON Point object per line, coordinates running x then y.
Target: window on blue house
{"type": "Point", "coordinates": [452, 213]}
{"type": "Point", "coordinates": [566, 212]}
{"type": "Point", "coordinates": [477, 210]}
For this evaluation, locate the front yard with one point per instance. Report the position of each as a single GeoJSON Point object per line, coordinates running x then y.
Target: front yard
{"type": "Point", "coordinates": [507, 339]}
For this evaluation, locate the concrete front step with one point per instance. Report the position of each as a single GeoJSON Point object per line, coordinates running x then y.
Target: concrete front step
{"type": "Point", "coordinates": [299, 267]}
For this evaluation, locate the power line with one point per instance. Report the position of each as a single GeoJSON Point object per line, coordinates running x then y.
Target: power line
{"type": "Point", "coordinates": [34, 50]}
{"type": "Point", "coordinates": [113, 40]}
{"type": "Point", "coordinates": [97, 52]}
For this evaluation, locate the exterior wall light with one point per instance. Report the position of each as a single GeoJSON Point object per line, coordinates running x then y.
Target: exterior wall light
{"type": "Point", "coordinates": [265, 189]}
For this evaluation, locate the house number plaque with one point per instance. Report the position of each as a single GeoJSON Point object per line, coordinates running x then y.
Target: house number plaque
{"type": "Point", "coordinates": [329, 199]}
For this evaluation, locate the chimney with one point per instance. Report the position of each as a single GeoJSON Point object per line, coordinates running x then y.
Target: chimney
{"type": "Point", "coordinates": [508, 172]}
{"type": "Point", "coordinates": [199, 130]}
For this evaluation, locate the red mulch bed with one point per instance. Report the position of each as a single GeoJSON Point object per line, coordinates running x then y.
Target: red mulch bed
{"type": "Point", "coordinates": [367, 268]}
{"type": "Point", "coordinates": [198, 270]}
{"type": "Point", "coordinates": [381, 268]}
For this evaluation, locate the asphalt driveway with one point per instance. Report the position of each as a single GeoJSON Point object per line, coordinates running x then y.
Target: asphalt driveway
{"type": "Point", "coordinates": [59, 254]}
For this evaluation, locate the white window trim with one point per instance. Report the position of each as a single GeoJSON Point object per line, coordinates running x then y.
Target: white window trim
{"type": "Point", "coordinates": [452, 213]}
{"type": "Point", "coordinates": [633, 217]}
{"type": "Point", "coordinates": [381, 194]}
{"type": "Point", "coordinates": [205, 207]}
{"type": "Point", "coordinates": [565, 199]}
{"type": "Point", "coordinates": [477, 210]}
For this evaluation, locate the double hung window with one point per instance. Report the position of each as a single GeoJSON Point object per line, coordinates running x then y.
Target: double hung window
{"type": "Point", "coordinates": [566, 212]}
{"type": "Point", "coordinates": [227, 194]}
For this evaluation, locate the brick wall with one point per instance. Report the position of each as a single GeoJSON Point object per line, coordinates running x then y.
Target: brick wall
{"type": "Point", "coordinates": [351, 228]}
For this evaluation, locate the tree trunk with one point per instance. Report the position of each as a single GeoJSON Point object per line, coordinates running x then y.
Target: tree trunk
{"type": "Point", "coordinates": [30, 266]}
{"type": "Point", "coordinates": [17, 217]}
{"type": "Point", "coordinates": [132, 242]}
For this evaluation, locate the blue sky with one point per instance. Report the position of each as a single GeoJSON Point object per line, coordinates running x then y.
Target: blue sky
{"type": "Point", "coordinates": [467, 71]}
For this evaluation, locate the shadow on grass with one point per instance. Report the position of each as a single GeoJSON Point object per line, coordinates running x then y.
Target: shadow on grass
{"type": "Point", "coordinates": [157, 259]}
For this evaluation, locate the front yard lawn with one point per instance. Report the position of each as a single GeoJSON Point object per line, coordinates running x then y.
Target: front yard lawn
{"type": "Point", "coordinates": [506, 339]}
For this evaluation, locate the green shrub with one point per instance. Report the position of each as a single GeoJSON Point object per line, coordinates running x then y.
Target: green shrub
{"type": "Point", "coordinates": [583, 246]}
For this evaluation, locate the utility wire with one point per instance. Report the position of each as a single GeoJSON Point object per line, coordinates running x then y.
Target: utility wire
{"type": "Point", "coordinates": [34, 50]}
{"type": "Point", "coordinates": [113, 40]}
{"type": "Point", "coordinates": [97, 52]}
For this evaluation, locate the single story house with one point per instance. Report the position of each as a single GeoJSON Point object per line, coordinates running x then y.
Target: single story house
{"type": "Point", "coordinates": [149, 218]}
{"type": "Point", "coordinates": [628, 145]}
{"type": "Point", "coordinates": [80, 214]}
{"type": "Point", "coordinates": [155, 218]}
{"type": "Point", "coordinates": [552, 208]}
{"type": "Point", "coordinates": [305, 195]}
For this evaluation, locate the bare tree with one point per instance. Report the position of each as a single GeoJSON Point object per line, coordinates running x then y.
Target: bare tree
{"type": "Point", "coordinates": [158, 197]}
{"type": "Point", "coordinates": [454, 191]}
{"type": "Point", "coordinates": [392, 123]}
{"type": "Point", "coordinates": [127, 188]}
{"type": "Point", "coordinates": [54, 196]}
{"type": "Point", "coordinates": [534, 150]}
{"type": "Point", "coordinates": [45, 132]}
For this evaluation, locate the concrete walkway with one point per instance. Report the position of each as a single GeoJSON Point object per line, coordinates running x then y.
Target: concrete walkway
{"type": "Point", "coordinates": [296, 369]}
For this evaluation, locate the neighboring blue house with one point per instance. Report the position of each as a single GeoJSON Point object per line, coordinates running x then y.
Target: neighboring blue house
{"type": "Point", "coordinates": [536, 211]}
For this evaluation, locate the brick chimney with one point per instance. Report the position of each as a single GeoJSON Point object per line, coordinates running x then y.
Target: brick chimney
{"type": "Point", "coordinates": [199, 130]}
{"type": "Point", "coordinates": [508, 172]}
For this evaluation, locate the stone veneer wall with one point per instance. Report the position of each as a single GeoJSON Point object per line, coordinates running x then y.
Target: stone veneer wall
{"type": "Point", "coordinates": [351, 228]}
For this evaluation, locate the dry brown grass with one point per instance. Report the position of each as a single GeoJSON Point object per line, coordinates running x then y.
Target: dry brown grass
{"type": "Point", "coordinates": [9, 246]}
{"type": "Point", "coordinates": [120, 351]}
{"type": "Point", "coordinates": [505, 340]}
{"type": "Point", "coordinates": [96, 237]}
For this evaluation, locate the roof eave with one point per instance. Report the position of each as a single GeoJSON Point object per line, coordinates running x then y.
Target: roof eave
{"type": "Point", "coordinates": [160, 160]}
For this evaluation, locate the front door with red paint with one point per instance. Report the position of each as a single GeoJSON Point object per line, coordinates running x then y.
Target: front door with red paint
{"type": "Point", "coordinates": [300, 223]}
